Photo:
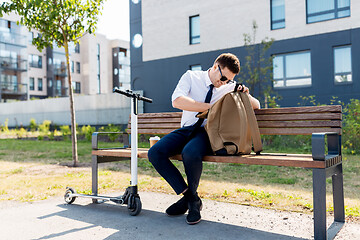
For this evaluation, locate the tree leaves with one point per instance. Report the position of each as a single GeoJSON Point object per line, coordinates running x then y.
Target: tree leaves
{"type": "Point", "coordinates": [56, 20]}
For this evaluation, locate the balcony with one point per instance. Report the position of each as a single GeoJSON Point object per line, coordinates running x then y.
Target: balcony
{"type": "Point", "coordinates": [13, 38]}
{"type": "Point", "coordinates": [60, 70]}
{"type": "Point", "coordinates": [61, 92]}
{"type": "Point", "coordinates": [10, 63]}
{"type": "Point", "coordinates": [124, 60]}
{"type": "Point", "coordinates": [13, 90]}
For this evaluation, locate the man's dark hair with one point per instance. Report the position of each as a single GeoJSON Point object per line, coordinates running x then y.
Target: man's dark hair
{"type": "Point", "coordinates": [230, 61]}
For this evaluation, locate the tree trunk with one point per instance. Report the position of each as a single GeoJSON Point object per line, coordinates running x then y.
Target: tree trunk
{"type": "Point", "coordinates": [72, 107]}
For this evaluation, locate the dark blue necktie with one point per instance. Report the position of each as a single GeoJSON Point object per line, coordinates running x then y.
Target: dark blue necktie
{"type": "Point", "coordinates": [207, 100]}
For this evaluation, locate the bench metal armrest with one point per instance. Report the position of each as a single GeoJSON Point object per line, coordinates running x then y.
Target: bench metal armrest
{"type": "Point", "coordinates": [318, 145]}
{"type": "Point", "coordinates": [95, 138]}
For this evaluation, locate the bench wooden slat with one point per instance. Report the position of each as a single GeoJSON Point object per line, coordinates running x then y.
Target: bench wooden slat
{"type": "Point", "coordinates": [282, 124]}
{"type": "Point", "coordinates": [288, 160]}
{"type": "Point", "coordinates": [265, 124]}
{"type": "Point", "coordinates": [305, 116]}
{"type": "Point", "coordinates": [297, 131]}
{"type": "Point", "coordinates": [159, 120]}
{"type": "Point", "coordinates": [158, 126]}
{"type": "Point", "coordinates": [160, 115]}
{"type": "Point", "coordinates": [264, 131]}
{"type": "Point", "coordinates": [300, 110]}
{"type": "Point", "coordinates": [153, 131]}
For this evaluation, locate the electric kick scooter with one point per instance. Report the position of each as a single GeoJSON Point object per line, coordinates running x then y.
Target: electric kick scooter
{"type": "Point", "coordinates": [131, 196]}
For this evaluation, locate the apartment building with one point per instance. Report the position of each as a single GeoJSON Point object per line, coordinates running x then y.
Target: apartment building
{"type": "Point", "coordinates": [97, 65]}
{"type": "Point", "coordinates": [315, 52]}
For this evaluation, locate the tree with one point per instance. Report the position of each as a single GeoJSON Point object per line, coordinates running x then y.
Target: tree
{"type": "Point", "coordinates": [59, 22]}
{"type": "Point", "coordinates": [258, 67]}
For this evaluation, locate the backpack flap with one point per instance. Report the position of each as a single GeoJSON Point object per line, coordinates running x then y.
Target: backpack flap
{"type": "Point", "coordinates": [253, 125]}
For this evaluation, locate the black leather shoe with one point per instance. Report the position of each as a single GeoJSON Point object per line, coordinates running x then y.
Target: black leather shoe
{"type": "Point", "coordinates": [195, 207]}
{"type": "Point", "coordinates": [178, 208]}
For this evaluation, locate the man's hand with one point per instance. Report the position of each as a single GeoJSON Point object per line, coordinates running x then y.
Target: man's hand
{"type": "Point", "coordinates": [242, 88]}
{"type": "Point", "coordinates": [254, 102]}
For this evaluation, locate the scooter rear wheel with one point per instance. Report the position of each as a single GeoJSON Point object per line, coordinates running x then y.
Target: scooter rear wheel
{"type": "Point", "coordinates": [67, 198]}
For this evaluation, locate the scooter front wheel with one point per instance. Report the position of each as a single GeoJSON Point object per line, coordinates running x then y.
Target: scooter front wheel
{"type": "Point", "coordinates": [134, 205]}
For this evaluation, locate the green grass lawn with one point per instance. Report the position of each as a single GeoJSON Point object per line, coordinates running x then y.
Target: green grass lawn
{"type": "Point", "coordinates": [264, 186]}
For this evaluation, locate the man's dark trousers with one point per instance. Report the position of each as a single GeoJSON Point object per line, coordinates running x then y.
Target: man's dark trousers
{"type": "Point", "coordinates": [192, 145]}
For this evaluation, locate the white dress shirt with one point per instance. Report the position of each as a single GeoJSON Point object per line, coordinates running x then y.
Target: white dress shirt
{"type": "Point", "coordinates": [196, 84]}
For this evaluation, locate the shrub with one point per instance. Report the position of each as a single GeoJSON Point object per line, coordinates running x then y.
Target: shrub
{"type": "Point", "coordinates": [87, 131]}
{"type": "Point", "coordinates": [20, 133]}
{"type": "Point", "coordinates": [111, 128]}
{"type": "Point", "coordinates": [5, 128]}
{"type": "Point", "coordinates": [65, 130]}
{"type": "Point", "coordinates": [351, 127]}
{"type": "Point", "coordinates": [308, 101]}
{"type": "Point", "coordinates": [33, 126]}
{"type": "Point", "coordinates": [44, 128]}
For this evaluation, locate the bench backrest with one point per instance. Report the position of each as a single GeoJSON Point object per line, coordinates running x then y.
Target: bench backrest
{"type": "Point", "coordinates": [271, 121]}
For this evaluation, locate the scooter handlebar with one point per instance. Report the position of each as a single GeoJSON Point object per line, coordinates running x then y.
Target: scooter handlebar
{"type": "Point", "coordinates": [145, 99]}
{"type": "Point", "coordinates": [129, 93]}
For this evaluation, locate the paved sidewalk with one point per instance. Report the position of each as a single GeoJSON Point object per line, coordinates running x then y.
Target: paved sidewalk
{"type": "Point", "coordinates": [53, 219]}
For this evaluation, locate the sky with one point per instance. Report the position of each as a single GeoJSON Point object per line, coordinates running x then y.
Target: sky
{"type": "Point", "coordinates": [114, 21]}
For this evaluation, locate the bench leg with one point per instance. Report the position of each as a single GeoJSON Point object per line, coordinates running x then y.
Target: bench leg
{"type": "Point", "coordinates": [94, 171]}
{"type": "Point", "coordinates": [319, 198]}
{"type": "Point", "coordinates": [338, 195]}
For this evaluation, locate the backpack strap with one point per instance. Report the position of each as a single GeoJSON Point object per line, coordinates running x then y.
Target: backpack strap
{"type": "Point", "coordinates": [254, 128]}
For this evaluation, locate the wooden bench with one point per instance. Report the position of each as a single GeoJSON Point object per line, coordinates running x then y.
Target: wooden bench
{"type": "Point", "coordinates": [322, 122]}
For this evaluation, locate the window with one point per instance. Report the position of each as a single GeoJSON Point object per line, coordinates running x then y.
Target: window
{"type": "Point", "coordinates": [30, 37]}
{"type": "Point", "coordinates": [322, 10]}
{"type": "Point", "coordinates": [76, 87]}
{"type": "Point", "coordinates": [77, 48]}
{"type": "Point", "coordinates": [342, 64]}
{"type": "Point", "coordinates": [292, 70]}
{"type": "Point", "coordinates": [35, 61]}
{"type": "Point", "coordinates": [72, 66]}
{"type": "Point", "coordinates": [196, 67]}
{"type": "Point", "coordinates": [40, 84]}
{"type": "Point", "coordinates": [77, 67]}
{"type": "Point", "coordinates": [32, 83]}
{"type": "Point", "coordinates": [58, 88]}
{"type": "Point", "coordinates": [195, 29]}
{"type": "Point", "coordinates": [277, 14]}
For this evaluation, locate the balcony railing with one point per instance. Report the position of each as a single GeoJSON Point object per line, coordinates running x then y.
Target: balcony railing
{"type": "Point", "coordinates": [13, 38]}
{"type": "Point", "coordinates": [61, 92]}
{"type": "Point", "coordinates": [13, 63]}
{"type": "Point", "coordinates": [60, 70]}
{"type": "Point", "coordinates": [124, 60]}
{"type": "Point", "coordinates": [13, 88]}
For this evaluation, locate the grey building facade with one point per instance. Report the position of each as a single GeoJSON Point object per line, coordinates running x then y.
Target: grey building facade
{"type": "Point", "coordinates": [315, 49]}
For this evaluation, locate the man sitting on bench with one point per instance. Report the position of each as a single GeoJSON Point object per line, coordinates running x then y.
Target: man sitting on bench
{"type": "Point", "coordinates": [194, 93]}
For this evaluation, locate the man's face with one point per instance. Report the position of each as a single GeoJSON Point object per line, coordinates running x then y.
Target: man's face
{"type": "Point", "coordinates": [221, 74]}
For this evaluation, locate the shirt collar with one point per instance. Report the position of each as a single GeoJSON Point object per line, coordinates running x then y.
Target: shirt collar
{"type": "Point", "coordinates": [207, 78]}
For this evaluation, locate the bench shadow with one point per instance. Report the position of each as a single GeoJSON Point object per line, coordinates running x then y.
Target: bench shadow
{"type": "Point", "coordinates": [151, 224]}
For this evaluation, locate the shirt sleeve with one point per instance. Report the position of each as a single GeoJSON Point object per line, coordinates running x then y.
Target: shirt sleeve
{"type": "Point", "coordinates": [183, 87]}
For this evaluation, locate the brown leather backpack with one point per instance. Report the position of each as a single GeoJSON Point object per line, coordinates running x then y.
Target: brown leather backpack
{"type": "Point", "coordinates": [232, 125]}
